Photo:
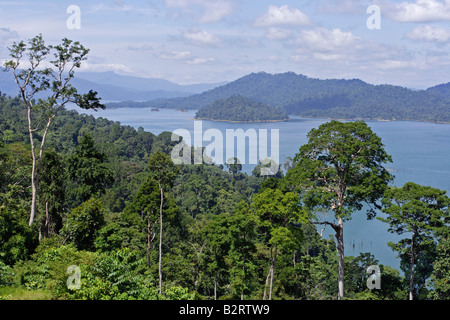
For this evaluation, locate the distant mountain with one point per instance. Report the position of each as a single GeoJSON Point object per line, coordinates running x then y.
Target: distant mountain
{"type": "Point", "coordinates": [113, 87]}
{"type": "Point", "coordinates": [144, 84]}
{"type": "Point", "coordinates": [308, 97]}
{"type": "Point", "coordinates": [241, 109]}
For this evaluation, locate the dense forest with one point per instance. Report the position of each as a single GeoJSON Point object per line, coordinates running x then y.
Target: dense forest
{"type": "Point", "coordinates": [336, 99]}
{"type": "Point", "coordinates": [241, 109]}
{"type": "Point", "coordinates": [98, 208]}
{"type": "Point", "coordinates": [93, 210]}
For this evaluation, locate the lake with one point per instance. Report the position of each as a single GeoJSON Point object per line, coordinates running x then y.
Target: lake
{"type": "Point", "coordinates": [420, 153]}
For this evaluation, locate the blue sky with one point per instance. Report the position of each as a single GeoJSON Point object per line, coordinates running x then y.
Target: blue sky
{"type": "Point", "coordinates": [197, 41]}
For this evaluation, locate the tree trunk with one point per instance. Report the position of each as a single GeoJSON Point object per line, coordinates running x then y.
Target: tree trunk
{"type": "Point", "coordinates": [272, 273]}
{"type": "Point", "coordinates": [149, 240]}
{"type": "Point", "coordinates": [215, 285]}
{"type": "Point", "coordinates": [33, 170]}
{"type": "Point", "coordinates": [160, 237]}
{"type": "Point", "coordinates": [266, 284]}
{"type": "Point", "coordinates": [243, 280]}
{"type": "Point", "coordinates": [36, 167]}
{"type": "Point", "coordinates": [411, 277]}
{"type": "Point", "coordinates": [340, 249]}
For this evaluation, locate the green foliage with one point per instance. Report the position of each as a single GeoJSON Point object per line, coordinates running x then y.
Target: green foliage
{"type": "Point", "coordinates": [439, 279]}
{"type": "Point", "coordinates": [83, 223]}
{"type": "Point", "coordinates": [52, 193]}
{"type": "Point", "coordinates": [179, 293]}
{"type": "Point", "coordinates": [47, 269]}
{"type": "Point", "coordinates": [87, 171]}
{"type": "Point", "coordinates": [341, 167]}
{"type": "Point", "coordinates": [17, 239]}
{"type": "Point", "coordinates": [6, 275]}
{"type": "Point", "coordinates": [422, 213]}
{"type": "Point", "coordinates": [221, 230]}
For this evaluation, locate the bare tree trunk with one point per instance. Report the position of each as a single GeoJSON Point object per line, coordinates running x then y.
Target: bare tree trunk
{"type": "Point", "coordinates": [267, 283]}
{"type": "Point", "coordinates": [411, 277]}
{"type": "Point", "coordinates": [149, 239]}
{"type": "Point", "coordinates": [160, 236]}
{"type": "Point", "coordinates": [36, 162]}
{"type": "Point", "coordinates": [33, 170]}
{"type": "Point", "coordinates": [243, 279]}
{"type": "Point", "coordinates": [272, 267]}
{"type": "Point", "coordinates": [215, 285]}
{"type": "Point", "coordinates": [340, 249]}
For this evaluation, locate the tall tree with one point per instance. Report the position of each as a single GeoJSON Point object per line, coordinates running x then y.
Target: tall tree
{"type": "Point", "coordinates": [339, 169]}
{"type": "Point", "coordinates": [420, 211]}
{"type": "Point", "coordinates": [441, 271]}
{"type": "Point", "coordinates": [242, 232]}
{"type": "Point", "coordinates": [87, 171]}
{"type": "Point", "coordinates": [35, 81]}
{"type": "Point", "coordinates": [216, 234]}
{"type": "Point", "coordinates": [164, 172]}
{"type": "Point", "coordinates": [279, 214]}
{"type": "Point", "coordinates": [51, 194]}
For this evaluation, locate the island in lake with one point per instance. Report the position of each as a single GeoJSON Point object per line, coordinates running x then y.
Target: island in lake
{"type": "Point", "coordinates": [241, 109]}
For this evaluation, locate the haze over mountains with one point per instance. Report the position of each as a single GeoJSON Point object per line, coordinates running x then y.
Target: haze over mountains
{"type": "Point", "coordinates": [114, 87]}
{"type": "Point", "coordinates": [293, 93]}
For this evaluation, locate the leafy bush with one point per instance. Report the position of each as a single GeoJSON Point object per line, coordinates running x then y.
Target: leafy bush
{"type": "Point", "coordinates": [48, 268]}
{"type": "Point", "coordinates": [6, 275]}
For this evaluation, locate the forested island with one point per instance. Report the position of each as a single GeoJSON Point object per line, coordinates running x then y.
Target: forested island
{"type": "Point", "coordinates": [241, 109]}
{"type": "Point", "coordinates": [299, 95]}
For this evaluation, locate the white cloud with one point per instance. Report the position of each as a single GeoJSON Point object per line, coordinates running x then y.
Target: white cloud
{"type": "Point", "coordinates": [321, 39]}
{"type": "Point", "coordinates": [278, 33]}
{"type": "Point", "coordinates": [175, 55]}
{"type": "Point", "coordinates": [399, 64]}
{"type": "Point", "coordinates": [429, 34]}
{"type": "Point", "coordinates": [102, 67]}
{"type": "Point", "coordinates": [200, 60]}
{"type": "Point", "coordinates": [284, 15]}
{"type": "Point", "coordinates": [202, 38]}
{"type": "Point", "coordinates": [212, 10]}
{"type": "Point", "coordinates": [344, 6]}
{"type": "Point", "coordinates": [418, 11]}
{"type": "Point", "coordinates": [185, 57]}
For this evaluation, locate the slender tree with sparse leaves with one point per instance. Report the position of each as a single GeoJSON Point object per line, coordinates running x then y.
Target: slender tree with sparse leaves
{"type": "Point", "coordinates": [46, 90]}
{"type": "Point", "coordinates": [164, 172]}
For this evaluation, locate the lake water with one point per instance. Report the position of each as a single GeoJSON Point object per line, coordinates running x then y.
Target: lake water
{"type": "Point", "coordinates": [420, 152]}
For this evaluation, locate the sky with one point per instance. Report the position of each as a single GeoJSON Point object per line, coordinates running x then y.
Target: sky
{"type": "Point", "coordinates": [394, 42]}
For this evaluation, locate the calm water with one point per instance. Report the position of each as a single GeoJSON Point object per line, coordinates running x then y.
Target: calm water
{"type": "Point", "coordinates": [420, 152]}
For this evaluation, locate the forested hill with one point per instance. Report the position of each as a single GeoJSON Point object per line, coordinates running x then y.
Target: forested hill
{"type": "Point", "coordinates": [304, 96]}
{"type": "Point", "coordinates": [442, 90]}
{"type": "Point", "coordinates": [241, 109]}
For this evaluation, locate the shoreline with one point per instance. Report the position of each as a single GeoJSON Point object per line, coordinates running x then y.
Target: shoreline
{"type": "Point", "coordinates": [275, 121]}
{"type": "Point", "coordinates": [374, 119]}
{"type": "Point", "coordinates": [233, 121]}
